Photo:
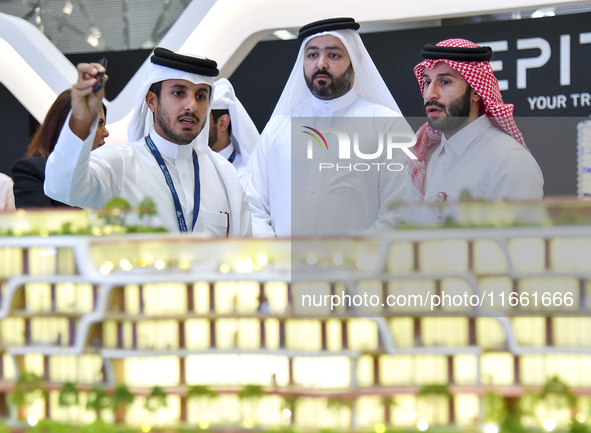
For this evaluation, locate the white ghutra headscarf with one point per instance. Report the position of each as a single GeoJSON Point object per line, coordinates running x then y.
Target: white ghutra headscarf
{"type": "Point", "coordinates": [244, 132]}
{"type": "Point", "coordinates": [142, 121]}
{"type": "Point", "coordinates": [368, 82]}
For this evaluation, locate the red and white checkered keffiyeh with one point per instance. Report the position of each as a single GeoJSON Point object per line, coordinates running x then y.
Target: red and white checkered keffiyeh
{"type": "Point", "coordinates": [480, 77]}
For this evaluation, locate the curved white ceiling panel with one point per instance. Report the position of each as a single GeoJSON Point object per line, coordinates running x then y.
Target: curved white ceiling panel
{"type": "Point", "coordinates": [35, 71]}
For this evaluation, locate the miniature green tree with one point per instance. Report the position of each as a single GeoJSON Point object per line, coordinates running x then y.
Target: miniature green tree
{"type": "Point", "coordinates": [434, 393]}
{"type": "Point", "coordinates": [115, 210]}
{"type": "Point", "coordinates": [511, 424]}
{"type": "Point", "coordinates": [290, 402]}
{"type": "Point", "coordinates": [147, 208]}
{"type": "Point", "coordinates": [97, 401]}
{"type": "Point", "coordinates": [339, 406]}
{"type": "Point", "coordinates": [68, 397]}
{"type": "Point", "coordinates": [156, 400]}
{"type": "Point", "coordinates": [495, 407]}
{"type": "Point", "coordinates": [527, 404]}
{"type": "Point", "coordinates": [118, 203]}
{"type": "Point", "coordinates": [387, 403]}
{"type": "Point", "coordinates": [465, 195]}
{"type": "Point", "coordinates": [26, 390]}
{"type": "Point", "coordinates": [203, 394]}
{"type": "Point", "coordinates": [578, 427]}
{"type": "Point", "coordinates": [251, 395]}
{"type": "Point", "coordinates": [429, 391]}
{"type": "Point", "coordinates": [122, 397]}
{"type": "Point", "coordinates": [525, 407]}
{"type": "Point", "coordinates": [569, 218]}
{"type": "Point", "coordinates": [557, 395]}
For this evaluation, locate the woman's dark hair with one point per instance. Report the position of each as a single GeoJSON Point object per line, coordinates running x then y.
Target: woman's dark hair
{"type": "Point", "coordinates": [46, 136]}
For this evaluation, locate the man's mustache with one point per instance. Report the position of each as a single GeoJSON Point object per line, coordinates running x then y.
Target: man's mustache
{"type": "Point", "coordinates": [322, 72]}
{"type": "Point", "coordinates": [193, 115]}
{"type": "Point", "coordinates": [434, 104]}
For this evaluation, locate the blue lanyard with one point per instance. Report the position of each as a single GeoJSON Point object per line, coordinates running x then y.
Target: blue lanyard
{"type": "Point", "coordinates": [232, 157]}
{"type": "Point", "coordinates": [175, 196]}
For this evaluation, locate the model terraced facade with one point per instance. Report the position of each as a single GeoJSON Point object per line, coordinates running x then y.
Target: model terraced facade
{"type": "Point", "coordinates": [176, 312]}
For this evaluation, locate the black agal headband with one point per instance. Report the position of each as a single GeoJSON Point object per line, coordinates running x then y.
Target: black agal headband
{"type": "Point", "coordinates": [327, 25]}
{"type": "Point", "coordinates": [478, 54]}
{"type": "Point", "coordinates": [194, 65]}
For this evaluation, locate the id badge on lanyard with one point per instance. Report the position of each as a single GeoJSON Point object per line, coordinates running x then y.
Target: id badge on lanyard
{"type": "Point", "coordinates": [175, 197]}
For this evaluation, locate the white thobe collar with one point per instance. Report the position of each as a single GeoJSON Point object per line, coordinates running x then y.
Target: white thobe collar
{"type": "Point", "coordinates": [460, 141]}
{"type": "Point", "coordinates": [334, 104]}
{"type": "Point", "coordinates": [170, 149]}
{"type": "Point", "coordinates": [226, 152]}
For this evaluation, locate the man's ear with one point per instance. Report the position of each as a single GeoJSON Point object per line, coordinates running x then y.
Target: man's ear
{"type": "Point", "coordinates": [477, 103]}
{"type": "Point", "coordinates": [152, 101]}
{"type": "Point", "coordinates": [223, 122]}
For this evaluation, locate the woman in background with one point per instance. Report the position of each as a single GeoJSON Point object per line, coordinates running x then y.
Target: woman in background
{"type": "Point", "coordinates": [28, 173]}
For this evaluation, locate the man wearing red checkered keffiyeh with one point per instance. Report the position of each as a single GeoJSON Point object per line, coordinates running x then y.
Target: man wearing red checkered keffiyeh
{"type": "Point", "coordinates": [471, 141]}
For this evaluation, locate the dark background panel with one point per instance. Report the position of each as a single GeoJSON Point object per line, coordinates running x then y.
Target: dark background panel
{"type": "Point", "coordinates": [15, 127]}
{"type": "Point", "coordinates": [121, 67]}
{"type": "Point", "coordinates": [260, 78]}
{"type": "Point", "coordinates": [550, 135]}
{"type": "Point", "coordinates": [553, 143]}
{"type": "Point", "coordinates": [396, 53]}
{"type": "Point", "coordinates": [259, 81]}
{"type": "Point", "coordinates": [18, 126]}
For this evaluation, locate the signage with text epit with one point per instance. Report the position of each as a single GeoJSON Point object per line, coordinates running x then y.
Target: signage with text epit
{"type": "Point", "coordinates": [543, 65]}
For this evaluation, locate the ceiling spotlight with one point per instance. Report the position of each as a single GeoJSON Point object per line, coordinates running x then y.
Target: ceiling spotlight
{"type": "Point", "coordinates": [68, 8]}
{"type": "Point", "coordinates": [92, 41]}
{"type": "Point", "coordinates": [285, 35]}
{"type": "Point", "coordinates": [545, 12]}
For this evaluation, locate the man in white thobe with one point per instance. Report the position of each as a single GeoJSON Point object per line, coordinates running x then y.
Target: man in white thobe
{"type": "Point", "coordinates": [232, 133]}
{"type": "Point", "coordinates": [298, 189]}
{"type": "Point", "coordinates": [470, 146]}
{"type": "Point", "coordinates": [167, 159]}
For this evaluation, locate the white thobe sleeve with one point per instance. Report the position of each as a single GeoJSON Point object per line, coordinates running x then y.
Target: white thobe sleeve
{"type": "Point", "coordinates": [256, 185]}
{"type": "Point", "coordinates": [518, 178]}
{"type": "Point", "coordinates": [394, 186]}
{"type": "Point", "coordinates": [75, 177]}
{"type": "Point", "coordinates": [245, 219]}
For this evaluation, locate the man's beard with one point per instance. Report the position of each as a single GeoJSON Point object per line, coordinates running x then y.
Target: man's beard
{"type": "Point", "coordinates": [182, 138]}
{"type": "Point", "coordinates": [338, 85]}
{"type": "Point", "coordinates": [455, 118]}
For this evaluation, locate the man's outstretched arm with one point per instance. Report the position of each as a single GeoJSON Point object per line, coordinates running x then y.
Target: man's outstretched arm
{"type": "Point", "coordinates": [69, 175]}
